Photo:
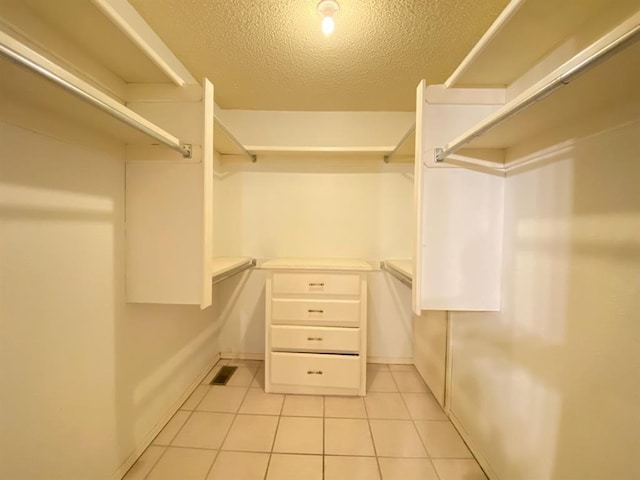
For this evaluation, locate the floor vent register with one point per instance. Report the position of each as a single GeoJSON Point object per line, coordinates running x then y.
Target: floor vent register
{"type": "Point", "coordinates": [223, 376]}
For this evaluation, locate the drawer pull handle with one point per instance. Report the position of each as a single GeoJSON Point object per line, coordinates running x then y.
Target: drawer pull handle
{"type": "Point", "coordinates": [316, 284]}
{"type": "Point", "coordinates": [314, 372]}
{"type": "Point", "coordinates": [315, 311]}
{"type": "Point", "coordinates": [319, 339]}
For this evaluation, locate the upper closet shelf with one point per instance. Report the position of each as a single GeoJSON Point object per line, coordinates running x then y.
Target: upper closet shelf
{"type": "Point", "coordinates": [405, 147]}
{"type": "Point", "coordinates": [523, 34]}
{"type": "Point", "coordinates": [16, 82]}
{"type": "Point", "coordinates": [344, 264]}
{"type": "Point", "coordinates": [590, 84]}
{"type": "Point", "coordinates": [383, 151]}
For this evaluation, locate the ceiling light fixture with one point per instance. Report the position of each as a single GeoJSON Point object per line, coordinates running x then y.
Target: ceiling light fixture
{"type": "Point", "coordinates": [328, 8]}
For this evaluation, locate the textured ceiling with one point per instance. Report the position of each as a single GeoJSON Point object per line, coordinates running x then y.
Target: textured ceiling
{"type": "Point", "coordinates": [272, 55]}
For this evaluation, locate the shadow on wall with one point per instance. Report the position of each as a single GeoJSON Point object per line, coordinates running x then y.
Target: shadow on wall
{"type": "Point", "coordinates": [240, 311]}
{"type": "Point", "coordinates": [544, 387]}
{"type": "Point", "coordinates": [390, 319]}
{"type": "Point", "coordinates": [85, 371]}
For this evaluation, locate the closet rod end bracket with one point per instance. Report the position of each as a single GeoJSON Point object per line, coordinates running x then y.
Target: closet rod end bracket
{"type": "Point", "coordinates": [187, 151]}
{"type": "Point", "coordinates": [438, 155]}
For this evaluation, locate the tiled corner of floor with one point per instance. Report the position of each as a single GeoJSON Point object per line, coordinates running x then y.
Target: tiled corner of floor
{"type": "Point", "coordinates": [398, 431]}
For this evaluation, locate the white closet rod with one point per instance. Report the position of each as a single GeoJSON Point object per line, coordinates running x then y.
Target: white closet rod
{"type": "Point", "coordinates": [22, 55]}
{"type": "Point", "coordinates": [591, 61]}
{"type": "Point", "coordinates": [406, 136]}
{"type": "Point", "coordinates": [235, 141]}
{"type": "Point", "coordinates": [219, 278]}
{"type": "Point", "coordinates": [397, 273]}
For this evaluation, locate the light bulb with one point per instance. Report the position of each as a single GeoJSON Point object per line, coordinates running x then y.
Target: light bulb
{"type": "Point", "coordinates": [327, 25]}
{"type": "Point", "coordinates": [327, 8]}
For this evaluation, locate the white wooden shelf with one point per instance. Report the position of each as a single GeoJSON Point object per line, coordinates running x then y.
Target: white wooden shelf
{"type": "Point", "coordinates": [36, 80]}
{"type": "Point", "coordinates": [525, 32]}
{"type": "Point", "coordinates": [406, 147]}
{"type": "Point", "coordinates": [97, 28]}
{"type": "Point", "coordinates": [339, 264]}
{"type": "Point", "coordinates": [289, 151]}
{"type": "Point", "coordinates": [605, 74]}
{"type": "Point", "coordinates": [400, 269]}
{"type": "Point", "coordinates": [225, 143]}
{"type": "Point", "coordinates": [225, 267]}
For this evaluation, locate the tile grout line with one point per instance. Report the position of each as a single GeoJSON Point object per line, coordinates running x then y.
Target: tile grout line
{"type": "Point", "coordinates": [154, 463]}
{"type": "Point", "coordinates": [324, 397]}
{"type": "Point", "coordinates": [235, 415]}
{"type": "Point", "coordinates": [373, 443]}
{"type": "Point", "coordinates": [219, 449]}
{"type": "Point", "coordinates": [416, 430]}
{"type": "Point", "coordinates": [166, 447]}
{"type": "Point", "coordinates": [275, 435]}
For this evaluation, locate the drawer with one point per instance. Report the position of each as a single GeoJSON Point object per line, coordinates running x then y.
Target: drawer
{"type": "Point", "coordinates": [311, 312]}
{"type": "Point", "coordinates": [313, 370]}
{"type": "Point", "coordinates": [310, 339]}
{"type": "Point", "coordinates": [316, 283]}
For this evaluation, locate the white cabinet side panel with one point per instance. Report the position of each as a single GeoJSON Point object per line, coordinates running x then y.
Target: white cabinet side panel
{"type": "Point", "coordinates": [430, 350]}
{"type": "Point", "coordinates": [207, 210]}
{"type": "Point", "coordinates": [164, 232]}
{"type": "Point", "coordinates": [460, 211]}
{"type": "Point", "coordinates": [418, 195]}
{"type": "Point", "coordinates": [462, 240]}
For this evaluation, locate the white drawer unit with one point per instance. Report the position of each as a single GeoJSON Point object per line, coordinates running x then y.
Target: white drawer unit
{"type": "Point", "coordinates": [316, 326]}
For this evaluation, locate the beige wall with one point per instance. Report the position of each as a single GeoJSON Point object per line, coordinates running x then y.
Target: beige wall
{"type": "Point", "coordinates": [547, 388]}
{"type": "Point", "coordinates": [310, 206]}
{"type": "Point", "coordinates": [85, 377]}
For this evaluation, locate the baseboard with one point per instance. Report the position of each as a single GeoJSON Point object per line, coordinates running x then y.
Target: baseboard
{"type": "Point", "coordinates": [260, 356]}
{"type": "Point", "coordinates": [390, 360]}
{"type": "Point", "coordinates": [241, 356]}
{"type": "Point", "coordinates": [128, 463]}
{"type": "Point", "coordinates": [490, 472]}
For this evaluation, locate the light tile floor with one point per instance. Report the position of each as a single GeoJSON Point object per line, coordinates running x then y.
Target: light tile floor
{"type": "Point", "coordinates": [237, 432]}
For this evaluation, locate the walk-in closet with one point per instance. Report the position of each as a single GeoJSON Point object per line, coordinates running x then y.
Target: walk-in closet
{"type": "Point", "coordinates": [319, 240]}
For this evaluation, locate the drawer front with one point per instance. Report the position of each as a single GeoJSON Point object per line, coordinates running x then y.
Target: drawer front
{"type": "Point", "coordinates": [316, 283]}
{"type": "Point", "coordinates": [339, 371]}
{"type": "Point", "coordinates": [310, 339]}
{"type": "Point", "coordinates": [310, 312]}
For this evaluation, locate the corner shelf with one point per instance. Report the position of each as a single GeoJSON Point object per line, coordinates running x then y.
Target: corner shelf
{"type": "Point", "coordinates": [400, 269]}
{"type": "Point", "coordinates": [405, 147]}
{"type": "Point", "coordinates": [226, 267]}
{"type": "Point", "coordinates": [226, 144]}
{"type": "Point", "coordinates": [605, 73]}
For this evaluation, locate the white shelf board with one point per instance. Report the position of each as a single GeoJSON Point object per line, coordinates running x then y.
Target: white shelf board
{"type": "Point", "coordinates": [225, 143]}
{"type": "Point", "coordinates": [523, 34]}
{"type": "Point", "coordinates": [93, 32]}
{"type": "Point", "coordinates": [403, 266]}
{"type": "Point", "coordinates": [610, 83]}
{"type": "Point", "coordinates": [49, 87]}
{"type": "Point", "coordinates": [223, 265]}
{"type": "Point", "coordinates": [346, 264]}
{"type": "Point", "coordinates": [319, 151]}
{"type": "Point", "coordinates": [405, 150]}
{"type": "Point", "coordinates": [400, 269]}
